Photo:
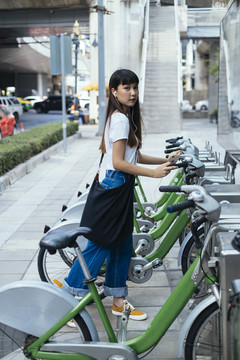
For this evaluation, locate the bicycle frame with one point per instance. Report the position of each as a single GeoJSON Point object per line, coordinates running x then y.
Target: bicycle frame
{"type": "Point", "coordinates": [171, 237]}
{"type": "Point", "coordinates": [163, 320]}
{"type": "Point", "coordinates": [165, 200]}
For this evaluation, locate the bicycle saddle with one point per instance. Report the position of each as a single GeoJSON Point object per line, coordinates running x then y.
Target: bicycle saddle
{"type": "Point", "coordinates": [60, 238]}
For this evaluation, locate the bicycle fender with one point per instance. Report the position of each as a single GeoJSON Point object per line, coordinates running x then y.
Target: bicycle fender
{"type": "Point", "coordinates": [182, 247]}
{"type": "Point", "coordinates": [34, 307]}
{"type": "Point", "coordinates": [73, 212]}
{"type": "Point", "coordinates": [189, 321]}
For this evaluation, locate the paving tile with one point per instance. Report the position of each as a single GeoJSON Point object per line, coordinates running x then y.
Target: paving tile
{"type": "Point", "coordinates": [13, 266]}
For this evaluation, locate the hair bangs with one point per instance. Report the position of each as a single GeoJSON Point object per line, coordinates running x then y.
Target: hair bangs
{"type": "Point", "coordinates": [124, 77]}
{"type": "Point", "coordinates": [129, 78]}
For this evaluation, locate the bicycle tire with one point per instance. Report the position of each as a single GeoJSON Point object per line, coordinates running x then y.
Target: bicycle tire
{"type": "Point", "coordinates": [54, 267]}
{"type": "Point", "coordinates": [13, 342]}
{"type": "Point", "coordinates": [204, 340]}
{"type": "Point", "coordinates": [189, 252]}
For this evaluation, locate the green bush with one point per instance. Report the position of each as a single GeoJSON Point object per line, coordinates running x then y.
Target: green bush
{"type": "Point", "coordinates": [16, 149]}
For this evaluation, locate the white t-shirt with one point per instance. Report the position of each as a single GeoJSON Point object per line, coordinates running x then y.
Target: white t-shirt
{"type": "Point", "coordinates": [117, 129]}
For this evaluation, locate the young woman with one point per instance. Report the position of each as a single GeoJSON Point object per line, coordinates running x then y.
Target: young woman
{"type": "Point", "coordinates": [121, 142]}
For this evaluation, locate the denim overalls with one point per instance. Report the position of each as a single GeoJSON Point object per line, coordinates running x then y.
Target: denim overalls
{"type": "Point", "coordinates": [117, 258]}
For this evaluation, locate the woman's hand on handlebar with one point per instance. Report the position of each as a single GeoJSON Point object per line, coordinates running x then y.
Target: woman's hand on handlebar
{"type": "Point", "coordinates": [174, 156]}
{"type": "Point", "coordinates": [163, 170]}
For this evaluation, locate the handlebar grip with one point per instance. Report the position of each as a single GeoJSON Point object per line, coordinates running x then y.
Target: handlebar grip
{"type": "Point", "coordinates": [169, 151]}
{"type": "Point", "coordinates": [173, 140]}
{"type": "Point", "coordinates": [180, 206]}
{"type": "Point", "coordinates": [172, 145]}
{"type": "Point", "coordinates": [169, 188]}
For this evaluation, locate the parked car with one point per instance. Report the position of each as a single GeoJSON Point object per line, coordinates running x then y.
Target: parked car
{"type": "Point", "coordinates": [26, 105]}
{"type": "Point", "coordinates": [7, 122]}
{"type": "Point", "coordinates": [201, 105]}
{"type": "Point", "coordinates": [53, 102]}
{"type": "Point", "coordinates": [33, 99]}
{"type": "Point", "coordinates": [13, 104]}
{"type": "Point", "coordinates": [186, 106]}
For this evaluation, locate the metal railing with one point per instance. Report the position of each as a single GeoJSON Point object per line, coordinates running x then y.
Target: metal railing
{"type": "Point", "coordinates": [144, 52]}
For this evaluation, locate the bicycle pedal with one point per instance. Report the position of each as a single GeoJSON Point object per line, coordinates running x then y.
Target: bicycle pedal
{"type": "Point", "coordinates": [156, 263]}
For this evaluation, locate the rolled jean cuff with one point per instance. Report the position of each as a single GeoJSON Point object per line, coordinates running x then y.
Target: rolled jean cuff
{"type": "Point", "coordinates": [117, 292]}
{"type": "Point", "coordinates": [74, 291]}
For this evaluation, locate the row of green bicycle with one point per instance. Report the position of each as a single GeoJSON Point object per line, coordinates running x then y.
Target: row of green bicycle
{"type": "Point", "coordinates": [156, 230]}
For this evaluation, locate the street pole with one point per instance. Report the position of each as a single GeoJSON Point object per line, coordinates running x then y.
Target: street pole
{"type": "Point", "coordinates": [76, 73]}
{"type": "Point", "coordinates": [76, 43]}
{"type": "Point", "coordinates": [64, 126]}
{"type": "Point", "coordinates": [101, 69]}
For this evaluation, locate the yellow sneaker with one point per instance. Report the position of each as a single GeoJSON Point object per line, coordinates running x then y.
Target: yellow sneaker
{"type": "Point", "coordinates": [134, 313]}
{"type": "Point", "coordinates": [58, 283]}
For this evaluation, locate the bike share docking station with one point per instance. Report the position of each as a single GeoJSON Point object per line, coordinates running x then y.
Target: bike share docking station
{"type": "Point", "coordinates": [234, 318]}
{"type": "Point", "coordinates": [229, 269]}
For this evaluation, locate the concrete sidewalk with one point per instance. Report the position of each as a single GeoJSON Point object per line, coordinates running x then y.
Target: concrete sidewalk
{"type": "Point", "coordinates": [36, 199]}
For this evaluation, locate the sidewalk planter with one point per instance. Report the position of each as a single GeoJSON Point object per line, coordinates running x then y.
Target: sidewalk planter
{"type": "Point", "coordinates": [21, 147]}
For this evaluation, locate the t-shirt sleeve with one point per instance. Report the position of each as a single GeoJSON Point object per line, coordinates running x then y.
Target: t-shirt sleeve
{"type": "Point", "coordinates": [119, 127]}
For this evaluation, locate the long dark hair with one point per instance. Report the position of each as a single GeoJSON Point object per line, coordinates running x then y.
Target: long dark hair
{"type": "Point", "coordinates": [124, 77]}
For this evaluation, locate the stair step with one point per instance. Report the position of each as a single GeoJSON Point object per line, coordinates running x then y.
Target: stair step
{"type": "Point", "coordinates": [160, 109]}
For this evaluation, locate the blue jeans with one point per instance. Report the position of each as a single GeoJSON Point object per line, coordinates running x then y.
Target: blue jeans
{"type": "Point", "coordinates": [117, 258]}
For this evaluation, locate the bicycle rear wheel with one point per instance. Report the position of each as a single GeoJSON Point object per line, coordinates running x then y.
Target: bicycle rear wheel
{"type": "Point", "coordinates": [55, 268]}
{"type": "Point", "coordinates": [52, 268]}
{"type": "Point", "coordinates": [13, 343]}
{"type": "Point", "coordinates": [204, 340]}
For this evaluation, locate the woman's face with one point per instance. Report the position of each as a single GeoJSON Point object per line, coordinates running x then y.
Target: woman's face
{"type": "Point", "coordinates": [127, 95]}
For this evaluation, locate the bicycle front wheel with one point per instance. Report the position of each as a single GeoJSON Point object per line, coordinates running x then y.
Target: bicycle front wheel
{"type": "Point", "coordinates": [14, 343]}
{"type": "Point", "coordinates": [204, 340]}
{"type": "Point", "coordinates": [190, 252]}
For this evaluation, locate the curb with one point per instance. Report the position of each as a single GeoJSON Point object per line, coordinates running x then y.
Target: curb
{"type": "Point", "coordinates": [23, 169]}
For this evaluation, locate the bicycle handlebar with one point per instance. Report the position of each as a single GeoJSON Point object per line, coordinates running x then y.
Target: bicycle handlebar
{"type": "Point", "coordinates": [173, 140]}
{"type": "Point", "coordinates": [180, 206]}
{"type": "Point", "coordinates": [169, 151]}
{"type": "Point", "coordinates": [183, 164]}
{"type": "Point", "coordinates": [172, 145]}
{"type": "Point", "coordinates": [169, 188]}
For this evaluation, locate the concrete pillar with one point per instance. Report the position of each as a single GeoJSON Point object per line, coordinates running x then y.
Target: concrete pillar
{"type": "Point", "coordinates": [124, 27]}
{"type": "Point", "coordinates": [201, 66]}
{"type": "Point", "coordinates": [42, 84]}
{"type": "Point", "coordinates": [213, 79]}
{"type": "Point", "coordinates": [189, 64]}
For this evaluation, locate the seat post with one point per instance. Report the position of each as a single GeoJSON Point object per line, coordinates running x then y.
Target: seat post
{"type": "Point", "coordinates": [83, 264]}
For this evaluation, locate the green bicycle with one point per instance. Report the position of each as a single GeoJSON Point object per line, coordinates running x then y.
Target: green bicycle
{"type": "Point", "coordinates": [48, 309]}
